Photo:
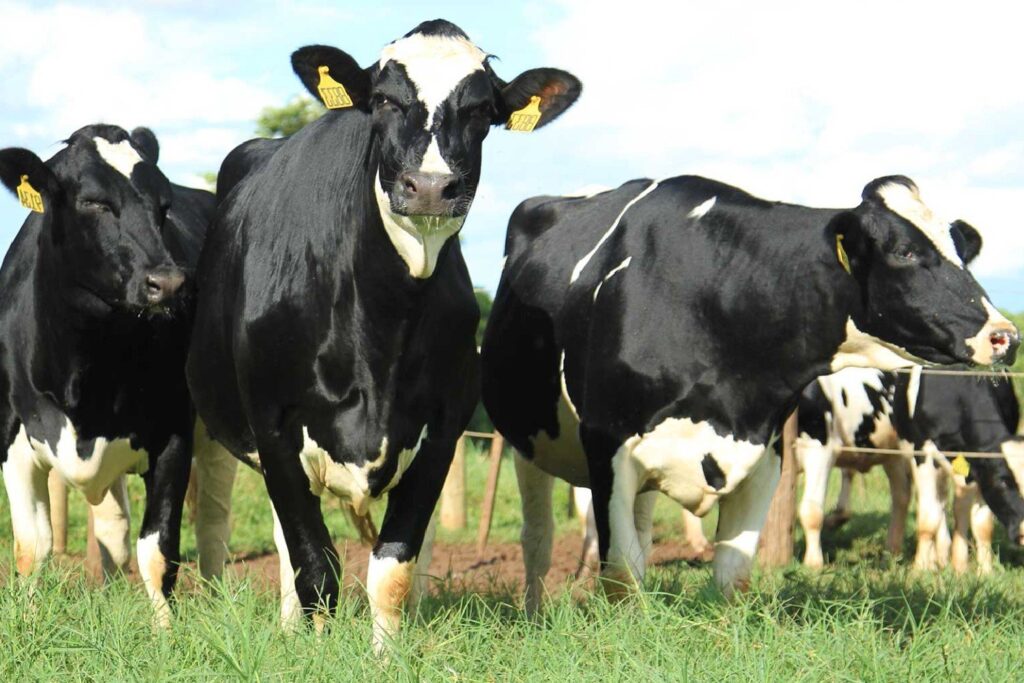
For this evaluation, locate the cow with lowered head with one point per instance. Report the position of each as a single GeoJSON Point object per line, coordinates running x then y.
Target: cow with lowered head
{"type": "Point", "coordinates": [93, 335]}
{"type": "Point", "coordinates": [334, 339]}
{"type": "Point", "coordinates": [655, 336]}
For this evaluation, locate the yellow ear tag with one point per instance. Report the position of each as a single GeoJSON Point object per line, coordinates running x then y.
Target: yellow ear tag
{"type": "Point", "coordinates": [28, 196]}
{"type": "Point", "coordinates": [844, 260]}
{"type": "Point", "coordinates": [527, 118]}
{"type": "Point", "coordinates": [332, 93]}
{"type": "Point", "coordinates": [961, 466]}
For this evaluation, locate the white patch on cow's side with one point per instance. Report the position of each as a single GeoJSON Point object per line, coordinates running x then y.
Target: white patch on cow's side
{"type": "Point", "coordinates": [538, 530]}
{"type": "Point", "coordinates": [291, 607]}
{"type": "Point", "coordinates": [702, 209]}
{"type": "Point", "coordinates": [913, 389]}
{"type": "Point", "coordinates": [435, 65]}
{"type": "Point", "coordinates": [433, 162]}
{"type": "Point", "coordinates": [622, 266]}
{"type": "Point", "coordinates": [906, 202]}
{"type": "Point", "coordinates": [588, 191]}
{"type": "Point", "coordinates": [582, 263]}
{"type": "Point", "coordinates": [153, 566]}
{"type": "Point", "coordinates": [981, 343]}
{"type": "Point", "coordinates": [29, 501]}
{"type": "Point", "coordinates": [849, 416]}
{"type": "Point", "coordinates": [862, 350]}
{"type": "Point", "coordinates": [388, 583]}
{"type": "Point", "coordinates": [417, 239]}
{"type": "Point", "coordinates": [122, 156]}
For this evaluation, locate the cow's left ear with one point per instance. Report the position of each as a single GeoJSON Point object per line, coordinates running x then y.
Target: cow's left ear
{"type": "Point", "coordinates": [332, 77]}
{"type": "Point", "coordinates": [850, 242]}
{"type": "Point", "coordinates": [24, 173]}
{"type": "Point", "coordinates": [555, 91]}
{"type": "Point", "coordinates": [966, 240]}
{"type": "Point", "coordinates": [144, 140]}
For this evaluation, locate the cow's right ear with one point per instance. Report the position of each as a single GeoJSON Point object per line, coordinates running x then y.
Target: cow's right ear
{"type": "Point", "coordinates": [850, 242]}
{"type": "Point", "coordinates": [22, 172]}
{"type": "Point", "coordinates": [322, 68]}
{"type": "Point", "coordinates": [145, 141]}
{"type": "Point", "coordinates": [966, 240]}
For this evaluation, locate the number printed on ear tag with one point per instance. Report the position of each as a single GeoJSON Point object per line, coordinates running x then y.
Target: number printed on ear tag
{"type": "Point", "coordinates": [527, 118]}
{"type": "Point", "coordinates": [332, 93]}
{"type": "Point", "coordinates": [28, 196]}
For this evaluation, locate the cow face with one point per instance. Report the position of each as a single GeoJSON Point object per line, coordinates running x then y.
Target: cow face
{"type": "Point", "coordinates": [432, 97]}
{"type": "Point", "coordinates": [918, 301]}
{"type": "Point", "coordinates": [104, 205]}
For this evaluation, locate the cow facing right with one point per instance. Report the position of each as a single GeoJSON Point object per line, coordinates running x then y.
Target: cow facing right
{"type": "Point", "coordinates": [655, 336]}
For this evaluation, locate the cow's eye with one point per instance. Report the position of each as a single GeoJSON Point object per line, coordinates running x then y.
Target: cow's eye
{"type": "Point", "coordinates": [905, 256]}
{"type": "Point", "coordinates": [484, 110]}
{"type": "Point", "coordinates": [96, 206]}
{"type": "Point", "coordinates": [382, 101]}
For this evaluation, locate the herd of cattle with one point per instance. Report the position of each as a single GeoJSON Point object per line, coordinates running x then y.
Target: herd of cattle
{"type": "Point", "coordinates": [315, 320]}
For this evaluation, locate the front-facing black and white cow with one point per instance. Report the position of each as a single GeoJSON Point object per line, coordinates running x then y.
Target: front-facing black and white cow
{"type": "Point", "coordinates": [654, 337]}
{"type": "Point", "coordinates": [94, 324]}
{"type": "Point", "coordinates": [334, 341]}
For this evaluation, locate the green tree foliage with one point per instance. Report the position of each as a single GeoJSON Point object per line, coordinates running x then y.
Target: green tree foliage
{"type": "Point", "coordinates": [275, 122]}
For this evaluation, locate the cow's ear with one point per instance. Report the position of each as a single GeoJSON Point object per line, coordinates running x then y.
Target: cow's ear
{"type": "Point", "coordinates": [555, 91]}
{"type": "Point", "coordinates": [25, 174]}
{"type": "Point", "coordinates": [966, 240]}
{"type": "Point", "coordinates": [144, 140]}
{"type": "Point", "coordinates": [322, 69]}
{"type": "Point", "coordinates": [849, 242]}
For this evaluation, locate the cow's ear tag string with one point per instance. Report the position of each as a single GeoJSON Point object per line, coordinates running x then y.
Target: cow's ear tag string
{"type": "Point", "coordinates": [961, 466]}
{"type": "Point", "coordinates": [332, 93]}
{"type": "Point", "coordinates": [844, 260]}
{"type": "Point", "coordinates": [527, 118]}
{"type": "Point", "coordinates": [28, 196]}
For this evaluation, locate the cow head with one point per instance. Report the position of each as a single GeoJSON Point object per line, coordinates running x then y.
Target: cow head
{"type": "Point", "coordinates": [918, 302]}
{"type": "Point", "coordinates": [433, 97]}
{"type": "Point", "coordinates": [104, 203]}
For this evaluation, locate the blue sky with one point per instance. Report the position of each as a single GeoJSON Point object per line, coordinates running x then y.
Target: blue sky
{"type": "Point", "coordinates": [798, 101]}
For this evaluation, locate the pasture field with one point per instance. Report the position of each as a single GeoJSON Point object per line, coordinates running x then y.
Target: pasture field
{"type": "Point", "coordinates": [866, 618]}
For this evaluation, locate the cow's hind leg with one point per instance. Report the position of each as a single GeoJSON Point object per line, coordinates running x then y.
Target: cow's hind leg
{"type": "Point", "coordinates": [817, 460]}
{"type": "Point", "coordinates": [590, 559]}
{"type": "Point", "coordinates": [693, 531]}
{"type": "Point", "coordinates": [29, 500]}
{"type": "Point", "coordinates": [112, 525]}
{"type": "Point", "coordinates": [842, 512]}
{"type": "Point", "coordinates": [535, 487]}
{"type": "Point", "coordinates": [215, 478]}
{"type": "Point", "coordinates": [963, 500]}
{"type": "Point", "coordinates": [741, 515]}
{"type": "Point", "coordinates": [898, 471]}
{"type": "Point", "coordinates": [982, 526]}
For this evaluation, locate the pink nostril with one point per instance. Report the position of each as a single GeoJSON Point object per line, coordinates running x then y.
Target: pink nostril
{"type": "Point", "coordinates": [999, 339]}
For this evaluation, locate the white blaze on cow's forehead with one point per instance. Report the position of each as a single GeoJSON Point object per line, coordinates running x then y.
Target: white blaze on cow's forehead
{"type": "Point", "coordinates": [435, 65]}
{"type": "Point", "coordinates": [122, 156]}
{"type": "Point", "coordinates": [702, 209]}
{"type": "Point", "coordinates": [582, 263]}
{"type": "Point", "coordinates": [433, 162]}
{"type": "Point", "coordinates": [906, 202]}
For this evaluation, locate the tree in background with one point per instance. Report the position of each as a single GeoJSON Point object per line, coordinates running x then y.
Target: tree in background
{"type": "Point", "coordinates": [277, 122]}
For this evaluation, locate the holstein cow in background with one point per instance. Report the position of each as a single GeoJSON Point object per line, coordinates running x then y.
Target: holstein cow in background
{"type": "Point", "coordinates": [334, 341]}
{"type": "Point", "coordinates": [654, 337]}
{"type": "Point", "coordinates": [94, 325]}
{"type": "Point", "coordinates": [942, 416]}
{"type": "Point", "coordinates": [852, 408]}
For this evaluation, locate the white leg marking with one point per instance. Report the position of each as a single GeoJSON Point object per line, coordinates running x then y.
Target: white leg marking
{"type": "Point", "coordinates": [215, 478]}
{"type": "Point", "coordinates": [29, 499]}
{"type": "Point", "coordinates": [625, 566]}
{"type": "Point", "coordinates": [388, 583]}
{"type": "Point", "coordinates": [930, 513]}
{"type": "Point", "coordinates": [111, 524]}
{"type": "Point", "coordinates": [291, 607]}
{"type": "Point", "coordinates": [643, 519]}
{"type": "Point", "coordinates": [590, 559]}
{"type": "Point", "coordinates": [538, 528]}
{"type": "Point", "coordinates": [153, 566]}
{"type": "Point", "coordinates": [741, 514]}
{"type": "Point", "coordinates": [982, 526]}
{"type": "Point", "coordinates": [817, 461]}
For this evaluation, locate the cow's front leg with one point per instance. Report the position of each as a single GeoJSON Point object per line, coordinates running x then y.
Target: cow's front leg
{"type": "Point", "coordinates": [741, 515]}
{"type": "Point", "coordinates": [400, 555]}
{"type": "Point", "coordinates": [982, 526]}
{"type": "Point", "coordinates": [898, 471]}
{"type": "Point", "coordinates": [111, 519]}
{"type": "Point", "coordinates": [817, 460]}
{"type": "Point", "coordinates": [964, 495]}
{"type": "Point", "coordinates": [29, 499]}
{"type": "Point", "coordinates": [930, 512]}
{"type": "Point", "coordinates": [538, 530]}
{"type": "Point", "coordinates": [215, 478]}
{"type": "Point", "coordinates": [158, 548]}
{"type": "Point", "coordinates": [614, 483]}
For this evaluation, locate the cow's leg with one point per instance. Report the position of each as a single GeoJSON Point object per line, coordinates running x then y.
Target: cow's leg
{"type": "Point", "coordinates": [741, 515]}
{"type": "Point", "coordinates": [112, 525]}
{"type": "Point", "coordinates": [693, 531]}
{"type": "Point", "coordinates": [158, 548]}
{"type": "Point", "coordinates": [590, 560]}
{"type": "Point", "coordinates": [963, 501]}
{"type": "Point", "coordinates": [215, 478]}
{"type": "Point", "coordinates": [943, 541]}
{"type": "Point", "coordinates": [982, 526]}
{"type": "Point", "coordinates": [537, 536]}
{"type": "Point", "coordinates": [419, 580]}
{"type": "Point", "coordinates": [817, 463]}
{"type": "Point", "coordinates": [643, 518]}
{"type": "Point", "coordinates": [393, 561]}
{"type": "Point", "coordinates": [624, 563]}
{"type": "Point", "coordinates": [842, 512]}
{"type": "Point", "coordinates": [291, 608]}
{"type": "Point", "coordinates": [930, 513]}
{"type": "Point", "coordinates": [898, 471]}
{"type": "Point", "coordinates": [29, 500]}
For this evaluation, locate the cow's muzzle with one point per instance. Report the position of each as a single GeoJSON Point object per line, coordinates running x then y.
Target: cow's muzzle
{"type": "Point", "coordinates": [996, 342]}
{"type": "Point", "coordinates": [427, 194]}
{"type": "Point", "coordinates": [162, 283]}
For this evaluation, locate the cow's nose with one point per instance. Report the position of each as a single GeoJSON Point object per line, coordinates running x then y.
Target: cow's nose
{"type": "Point", "coordinates": [425, 193]}
{"type": "Point", "coordinates": [1004, 345]}
{"type": "Point", "coordinates": [162, 283]}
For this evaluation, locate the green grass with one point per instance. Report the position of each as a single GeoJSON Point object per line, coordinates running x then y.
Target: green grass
{"type": "Point", "coordinates": [864, 618]}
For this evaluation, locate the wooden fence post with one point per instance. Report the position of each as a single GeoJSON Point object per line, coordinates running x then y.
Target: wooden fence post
{"type": "Point", "coordinates": [453, 495]}
{"type": "Point", "coordinates": [58, 511]}
{"type": "Point", "coordinates": [777, 536]}
{"type": "Point", "coordinates": [490, 493]}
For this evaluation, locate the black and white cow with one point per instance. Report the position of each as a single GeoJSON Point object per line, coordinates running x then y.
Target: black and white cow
{"type": "Point", "coordinates": [94, 327]}
{"type": "Point", "coordinates": [334, 344]}
{"type": "Point", "coordinates": [944, 415]}
{"type": "Point", "coordinates": [654, 337]}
